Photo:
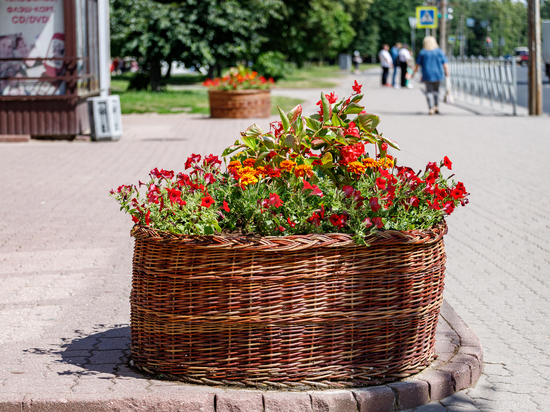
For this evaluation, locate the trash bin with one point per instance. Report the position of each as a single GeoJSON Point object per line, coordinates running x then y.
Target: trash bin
{"type": "Point", "coordinates": [105, 120]}
{"type": "Point", "coordinates": [344, 61]}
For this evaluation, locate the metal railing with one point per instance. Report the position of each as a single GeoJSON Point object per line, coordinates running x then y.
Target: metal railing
{"type": "Point", "coordinates": [494, 79]}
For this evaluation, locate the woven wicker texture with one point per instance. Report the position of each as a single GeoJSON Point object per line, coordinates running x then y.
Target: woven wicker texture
{"type": "Point", "coordinates": [239, 104]}
{"type": "Point", "coordinates": [312, 310]}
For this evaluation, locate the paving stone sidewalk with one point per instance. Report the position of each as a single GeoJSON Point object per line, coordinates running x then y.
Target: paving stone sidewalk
{"type": "Point", "coordinates": [65, 250]}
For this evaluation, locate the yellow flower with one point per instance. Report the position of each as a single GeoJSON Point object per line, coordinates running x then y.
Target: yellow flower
{"type": "Point", "coordinates": [356, 167]}
{"type": "Point", "coordinates": [248, 179]}
{"type": "Point", "coordinates": [287, 165]}
{"type": "Point", "coordinates": [303, 170]}
{"type": "Point", "coordinates": [370, 162]}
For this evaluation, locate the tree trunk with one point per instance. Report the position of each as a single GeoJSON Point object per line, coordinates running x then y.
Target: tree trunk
{"type": "Point", "coordinates": [155, 76]}
{"type": "Point", "coordinates": [169, 71]}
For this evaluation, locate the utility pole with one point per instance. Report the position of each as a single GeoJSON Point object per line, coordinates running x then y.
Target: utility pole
{"type": "Point", "coordinates": [535, 74]}
{"type": "Point", "coordinates": [443, 26]}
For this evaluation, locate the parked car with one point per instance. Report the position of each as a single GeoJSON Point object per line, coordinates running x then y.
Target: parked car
{"type": "Point", "coordinates": [522, 55]}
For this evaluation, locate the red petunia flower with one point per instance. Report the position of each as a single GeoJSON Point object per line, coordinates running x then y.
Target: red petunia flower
{"type": "Point", "coordinates": [275, 200]}
{"type": "Point", "coordinates": [175, 197]}
{"type": "Point", "coordinates": [290, 222]}
{"type": "Point", "coordinates": [338, 220]}
{"type": "Point", "coordinates": [374, 205]}
{"type": "Point", "coordinates": [449, 207]}
{"type": "Point", "coordinates": [212, 160]}
{"type": "Point", "coordinates": [381, 183]}
{"type": "Point", "coordinates": [226, 206]}
{"type": "Point", "coordinates": [315, 219]}
{"type": "Point", "coordinates": [191, 160]}
{"type": "Point", "coordinates": [207, 201]}
{"type": "Point", "coordinates": [209, 178]}
{"type": "Point", "coordinates": [378, 222]}
{"type": "Point", "coordinates": [448, 164]}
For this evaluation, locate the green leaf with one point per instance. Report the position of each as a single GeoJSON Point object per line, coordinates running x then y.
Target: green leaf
{"type": "Point", "coordinates": [261, 157]}
{"type": "Point", "coordinates": [284, 119]}
{"type": "Point", "coordinates": [327, 159]}
{"type": "Point", "coordinates": [253, 131]}
{"type": "Point", "coordinates": [392, 143]}
{"type": "Point", "coordinates": [336, 121]}
{"type": "Point", "coordinates": [250, 142]}
{"type": "Point", "coordinates": [289, 141]}
{"type": "Point", "coordinates": [368, 122]}
{"type": "Point", "coordinates": [356, 98]}
{"type": "Point", "coordinates": [209, 230]}
{"type": "Point", "coordinates": [230, 150]}
{"type": "Point", "coordinates": [313, 124]}
{"type": "Point", "coordinates": [353, 108]}
{"type": "Point", "coordinates": [327, 111]}
{"type": "Point", "coordinates": [295, 113]}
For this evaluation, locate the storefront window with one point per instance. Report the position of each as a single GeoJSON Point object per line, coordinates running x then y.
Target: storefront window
{"type": "Point", "coordinates": [32, 48]}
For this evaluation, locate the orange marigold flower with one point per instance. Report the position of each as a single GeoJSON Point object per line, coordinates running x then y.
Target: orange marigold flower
{"type": "Point", "coordinates": [287, 165]}
{"type": "Point", "coordinates": [248, 179]}
{"type": "Point", "coordinates": [370, 162]}
{"type": "Point", "coordinates": [235, 164]}
{"type": "Point", "coordinates": [249, 162]}
{"type": "Point", "coordinates": [303, 170]}
{"type": "Point", "coordinates": [247, 170]}
{"type": "Point", "coordinates": [385, 163]}
{"type": "Point", "coordinates": [260, 171]}
{"type": "Point", "coordinates": [356, 167]}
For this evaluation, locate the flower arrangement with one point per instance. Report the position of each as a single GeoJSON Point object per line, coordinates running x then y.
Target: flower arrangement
{"type": "Point", "coordinates": [329, 172]}
{"type": "Point", "coordinates": [240, 78]}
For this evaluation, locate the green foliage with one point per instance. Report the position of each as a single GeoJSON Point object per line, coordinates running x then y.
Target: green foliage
{"type": "Point", "coordinates": [310, 30]}
{"type": "Point", "coordinates": [273, 64]}
{"type": "Point", "coordinates": [493, 18]}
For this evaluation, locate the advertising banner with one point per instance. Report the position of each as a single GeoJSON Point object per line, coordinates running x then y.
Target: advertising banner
{"type": "Point", "coordinates": [32, 45]}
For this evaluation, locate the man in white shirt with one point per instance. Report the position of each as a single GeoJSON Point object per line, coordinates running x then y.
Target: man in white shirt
{"type": "Point", "coordinates": [386, 62]}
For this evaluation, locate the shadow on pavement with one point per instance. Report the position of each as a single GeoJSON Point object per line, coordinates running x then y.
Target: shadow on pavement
{"type": "Point", "coordinates": [107, 351]}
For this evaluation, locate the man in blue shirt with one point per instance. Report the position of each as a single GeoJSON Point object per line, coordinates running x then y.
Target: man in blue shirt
{"type": "Point", "coordinates": [394, 51]}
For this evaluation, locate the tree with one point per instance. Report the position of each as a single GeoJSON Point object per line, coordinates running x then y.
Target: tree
{"type": "Point", "coordinates": [496, 19]}
{"type": "Point", "coordinates": [195, 32]}
{"type": "Point", "coordinates": [387, 22]}
{"type": "Point", "coordinates": [153, 32]}
{"type": "Point", "coordinates": [310, 29]}
{"type": "Point", "coordinates": [545, 9]}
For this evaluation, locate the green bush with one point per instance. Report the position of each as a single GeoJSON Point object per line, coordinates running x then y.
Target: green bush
{"type": "Point", "coordinates": [273, 64]}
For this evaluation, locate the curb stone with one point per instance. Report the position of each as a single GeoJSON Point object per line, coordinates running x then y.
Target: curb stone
{"type": "Point", "coordinates": [458, 366]}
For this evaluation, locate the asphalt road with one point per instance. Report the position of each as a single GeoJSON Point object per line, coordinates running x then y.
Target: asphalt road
{"type": "Point", "coordinates": [522, 89]}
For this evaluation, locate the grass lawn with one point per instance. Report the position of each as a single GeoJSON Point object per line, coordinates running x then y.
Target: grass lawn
{"type": "Point", "coordinates": [183, 101]}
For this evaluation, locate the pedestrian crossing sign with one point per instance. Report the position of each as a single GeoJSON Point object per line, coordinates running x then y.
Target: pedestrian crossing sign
{"type": "Point", "coordinates": [426, 17]}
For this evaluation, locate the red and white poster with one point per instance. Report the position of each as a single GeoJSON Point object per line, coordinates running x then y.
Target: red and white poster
{"type": "Point", "coordinates": [32, 45]}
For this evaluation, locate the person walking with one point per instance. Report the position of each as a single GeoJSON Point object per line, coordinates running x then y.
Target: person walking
{"type": "Point", "coordinates": [394, 51]}
{"type": "Point", "coordinates": [404, 58]}
{"type": "Point", "coordinates": [433, 63]}
{"type": "Point", "coordinates": [386, 62]}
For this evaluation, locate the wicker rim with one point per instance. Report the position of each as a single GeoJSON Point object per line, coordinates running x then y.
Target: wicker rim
{"type": "Point", "coordinates": [237, 92]}
{"type": "Point", "coordinates": [294, 242]}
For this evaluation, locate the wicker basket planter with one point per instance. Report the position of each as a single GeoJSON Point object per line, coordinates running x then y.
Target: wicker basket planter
{"type": "Point", "coordinates": [286, 311]}
{"type": "Point", "coordinates": [239, 104]}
